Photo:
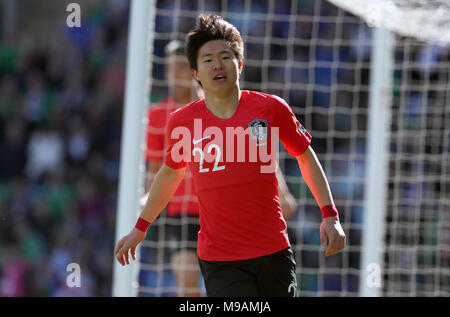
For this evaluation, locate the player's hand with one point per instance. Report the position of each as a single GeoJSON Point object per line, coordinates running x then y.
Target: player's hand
{"type": "Point", "coordinates": [331, 229]}
{"type": "Point", "coordinates": [128, 244]}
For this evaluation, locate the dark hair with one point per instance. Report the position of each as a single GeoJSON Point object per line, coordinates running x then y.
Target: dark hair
{"type": "Point", "coordinates": [211, 27]}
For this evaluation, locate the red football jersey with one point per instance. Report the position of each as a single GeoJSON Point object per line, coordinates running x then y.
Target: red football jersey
{"type": "Point", "coordinates": [240, 212]}
{"type": "Point", "coordinates": [184, 201]}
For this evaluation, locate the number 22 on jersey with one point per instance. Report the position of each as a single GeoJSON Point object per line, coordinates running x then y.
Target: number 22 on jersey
{"type": "Point", "coordinates": [200, 152]}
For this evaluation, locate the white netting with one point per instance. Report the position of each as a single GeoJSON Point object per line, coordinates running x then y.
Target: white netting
{"type": "Point", "coordinates": [427, 20]}
{"type": "Point", "coordinates": [417, 238]}
{"type": "Point", "coordinates": [317, 57]}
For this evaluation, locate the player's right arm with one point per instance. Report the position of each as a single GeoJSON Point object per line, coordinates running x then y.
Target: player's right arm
{"type": "Point", "coordinates": [163, 187]}
{"type": "Point", "coordinates": [153, 167]}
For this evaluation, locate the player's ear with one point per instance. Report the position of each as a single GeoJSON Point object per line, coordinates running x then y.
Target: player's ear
{"type": "Point", "coordinates": [194, 74]}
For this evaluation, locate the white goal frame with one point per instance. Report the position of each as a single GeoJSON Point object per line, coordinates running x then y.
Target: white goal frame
{"type": "Point", "coordinates": [379, 120]}
{"type": "Point", "coordinates": [136, 100]}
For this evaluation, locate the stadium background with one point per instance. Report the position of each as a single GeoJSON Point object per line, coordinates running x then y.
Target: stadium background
{"type": "Point", "coordinates": [61, 104]}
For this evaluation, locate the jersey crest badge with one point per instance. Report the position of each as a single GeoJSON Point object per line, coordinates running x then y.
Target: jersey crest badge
{"type": "Point", "coordinates": [258, 129]}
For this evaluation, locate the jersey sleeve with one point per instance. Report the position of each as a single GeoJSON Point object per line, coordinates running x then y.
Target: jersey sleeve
{"type": "Point", "coordinates": [178, 144]}
{"type": "Point", "coordinates": [155, 136]}
{"type": "Point", "coordinates": [293, 135]}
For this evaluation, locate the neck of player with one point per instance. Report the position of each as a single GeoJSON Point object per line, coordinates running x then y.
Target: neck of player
{"type": "Point", "coordinates": [223, 105]}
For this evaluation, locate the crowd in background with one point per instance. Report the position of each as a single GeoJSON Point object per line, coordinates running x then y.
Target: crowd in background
{"type": "Point", "coordinates": [60, 131]}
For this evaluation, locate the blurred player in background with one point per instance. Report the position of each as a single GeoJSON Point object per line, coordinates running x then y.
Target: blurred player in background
{"type": "Point", "coordinates": [183, 208]}
{"type": "Point", "coordinates": [243, 247]}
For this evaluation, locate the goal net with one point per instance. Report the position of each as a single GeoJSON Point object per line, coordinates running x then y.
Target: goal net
{"type": "Point", "coordinates": [417, 231]}
{"type": "Point", "coordinates": [316, 54]}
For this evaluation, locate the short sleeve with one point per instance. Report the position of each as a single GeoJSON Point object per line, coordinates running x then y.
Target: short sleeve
{"type": "Point", "coordinates": [155, 136]}
{"type": "Point", "coordinates": [178, 143]}
{"type": "Point", "coordinates": [293, 135]}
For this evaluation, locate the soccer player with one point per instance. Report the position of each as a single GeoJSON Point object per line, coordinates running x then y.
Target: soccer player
{"type": "Point", "coordinates": [243, 247]}
{"type": "Point", "coordinates": [183, 206]}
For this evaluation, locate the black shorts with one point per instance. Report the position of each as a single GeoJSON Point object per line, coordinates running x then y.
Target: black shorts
{"type": "Point", "coordinates": [182, 232]}
{"type": "Point", "coordinates": [271, 275]}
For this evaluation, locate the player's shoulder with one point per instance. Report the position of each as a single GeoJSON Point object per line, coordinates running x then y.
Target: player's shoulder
{"type": "Point", "coordinates": [253, 94]}
{"type": "Point", "coordinates": [264, 96]}
{"type": "Point", "coordinates": [162, 106]}
{"type": "Point", "coordinates": [159, 112]}
{"type": "Point", "coordinates": [188, 112]}
{"type": "Point", "coordinates": [269, 100]}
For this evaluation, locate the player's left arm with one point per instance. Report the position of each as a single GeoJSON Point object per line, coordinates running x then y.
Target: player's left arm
{"type": "Point", "coordinates": [316, 180]}
{"type": "Point", "coordinates": [288, 203]}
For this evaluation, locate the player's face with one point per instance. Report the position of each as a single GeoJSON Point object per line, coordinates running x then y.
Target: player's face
{"type": "Point", "coordinates": [217, 68]}
{"type": "Point", "coordinates": [178, 75]}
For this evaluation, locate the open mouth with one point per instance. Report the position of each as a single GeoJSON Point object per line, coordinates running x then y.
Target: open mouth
{"type": "Point", "coordinates": [220, 78]}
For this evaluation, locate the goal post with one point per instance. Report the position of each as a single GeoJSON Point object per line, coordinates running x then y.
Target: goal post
{"type": "Point", "coordinates": [138, 81]}
{"type": "Point", "coordinates": [377, 157]}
